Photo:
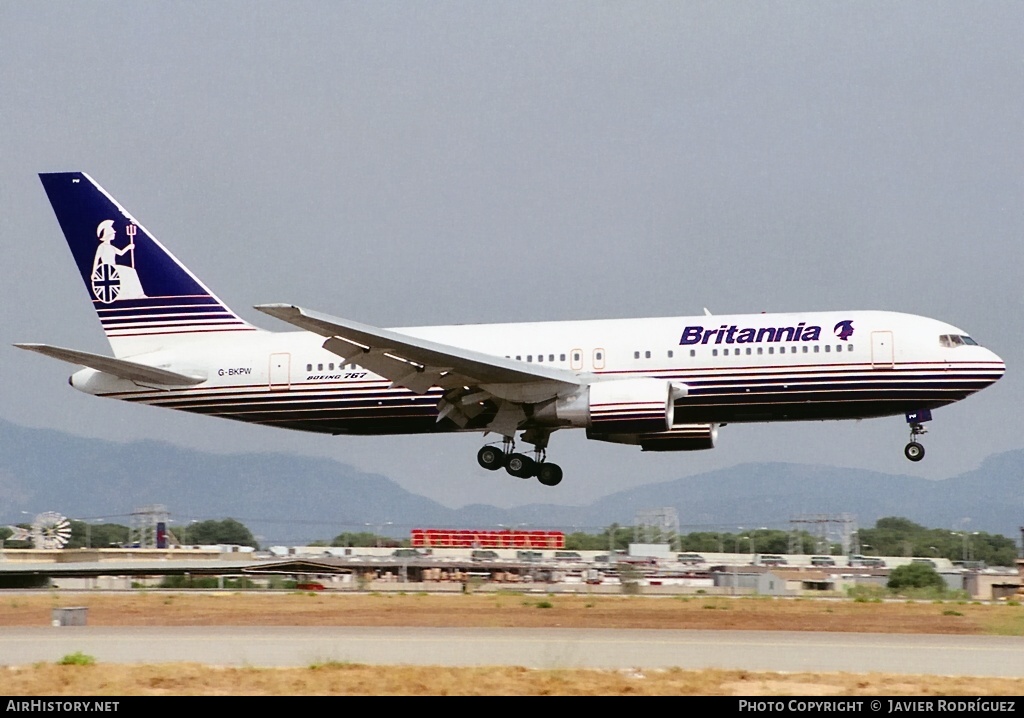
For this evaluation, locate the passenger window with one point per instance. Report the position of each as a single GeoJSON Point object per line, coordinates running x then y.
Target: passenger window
{"type": "Point", "coordinates": [693, 352]}
{"type": "Point", "coordinates": [551, 357]}
{"type": "Point", "coordinates": [669, 353]}
{"type": "Point", "coordinates": [714, 352]}
{"type": "Point", "coordinates": [636, 355]}
{"type": "Point", "coordinates": [828, 348]}
{"type": "Point", "coordinates": [849, 347]}
{"type": "Point", "coordinates": [309, 367]}
{"type": "Point", "coordinates": [319, 367]}
{"type": "Point", "coordinates": [529, 358]}
{"type": "Point", "coordinates": [771, 350]}
{"type": "Point", "coordinates": [839, 347]}
{"type": "Point", "coordinates": [561, 357]}
{"type": "Point", "coordinates": [599, 358]}
{"type": "Point", "coordinates": [748, 351]}
{"type": "Point", "coordinates": [817, 348]}
{"type": "Point", "coordinates": [647, 355]}
{"type": "Point", "coordinates": [577, 359]}
{"type": "Point", "coordinates": [760, 350]}
{"type": "Point", "coordinates": [806, 349]}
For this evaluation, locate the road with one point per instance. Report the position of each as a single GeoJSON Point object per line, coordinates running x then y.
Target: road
{"type": "Point", "coordinates": [270, 646]}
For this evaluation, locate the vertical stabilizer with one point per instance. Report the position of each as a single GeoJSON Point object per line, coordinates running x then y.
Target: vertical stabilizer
{"type": "Point", "coordinates": [145, 298]}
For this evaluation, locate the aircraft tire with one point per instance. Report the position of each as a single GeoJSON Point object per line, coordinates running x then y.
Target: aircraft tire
{"type": "Point", "coordinates": [914, 451]}
{"type": "Point", "coordinates": [549, 474]}
{"type": "Point", "coordinates": [520, 466]}
{"type": "Point", "coordinates": [491, 458]}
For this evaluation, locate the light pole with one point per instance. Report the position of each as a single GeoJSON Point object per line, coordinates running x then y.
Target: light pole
{"type": "Point", "coordinates": [88, 533]}
{"type": "Point", "coordinates": [963, 533]}
{"type": "Point", "coordinates": [380, 527]}
{"type": "Point", "coordinates": [735, 561]}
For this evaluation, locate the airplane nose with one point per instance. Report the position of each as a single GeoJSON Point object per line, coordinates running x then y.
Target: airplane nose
{"type": "Point", "coordinates": [997, 364]}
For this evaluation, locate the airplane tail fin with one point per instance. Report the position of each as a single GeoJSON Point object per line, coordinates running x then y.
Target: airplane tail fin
{"type": "Point", "coordinates": [145, 298]}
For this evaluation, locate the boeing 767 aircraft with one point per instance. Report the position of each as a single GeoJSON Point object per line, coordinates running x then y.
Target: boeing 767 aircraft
{"type": "Point", "coordinates": [663, 384]}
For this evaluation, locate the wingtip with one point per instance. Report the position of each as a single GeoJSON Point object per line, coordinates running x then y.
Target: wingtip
{"type": "Point", "coordinates": [279, 311]}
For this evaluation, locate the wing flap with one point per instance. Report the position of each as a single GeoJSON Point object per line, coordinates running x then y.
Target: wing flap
{"type": "Point", "coordinates": [123, 368]}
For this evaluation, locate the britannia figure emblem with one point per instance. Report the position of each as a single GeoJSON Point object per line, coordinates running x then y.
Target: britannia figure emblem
{"type": "Point", "coordinates": [112, 281]}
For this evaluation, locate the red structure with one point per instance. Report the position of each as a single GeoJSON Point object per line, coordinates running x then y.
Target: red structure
{"type": "Point", "coordinates": [455, 538]}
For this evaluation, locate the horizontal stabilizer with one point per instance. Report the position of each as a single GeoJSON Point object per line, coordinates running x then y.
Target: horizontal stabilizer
{"type": "Point", "coordinates": [132, 371]}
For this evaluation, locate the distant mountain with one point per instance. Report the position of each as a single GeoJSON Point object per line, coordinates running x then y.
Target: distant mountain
{"type": "Point", "coordinates": [290, 499]}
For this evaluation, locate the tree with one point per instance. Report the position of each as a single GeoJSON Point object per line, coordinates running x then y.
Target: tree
{"type": "Point", "coordinates": [227, 531]}
{"type": "Point", "coordinates": [97, 535]}
{"type": "Point", "coordinates": [915, 575]}
{"type": "Point", "coordinates": [360, 538]}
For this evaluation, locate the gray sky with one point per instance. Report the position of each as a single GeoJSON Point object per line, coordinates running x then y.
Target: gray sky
{"type": "Point", "coordinates": [404, 163]}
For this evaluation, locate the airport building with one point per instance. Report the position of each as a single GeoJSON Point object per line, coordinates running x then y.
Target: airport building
{"type": "Point", "coordinates": [647, 569]}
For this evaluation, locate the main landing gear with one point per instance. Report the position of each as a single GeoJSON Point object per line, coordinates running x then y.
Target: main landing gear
{"type": "Point", "coordinates": [914, 450]}
{"type": "Point", "coordinates": [492, 458]}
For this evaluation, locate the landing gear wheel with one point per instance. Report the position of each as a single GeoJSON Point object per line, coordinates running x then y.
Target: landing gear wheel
{"type": "Point", "coordinates": [521, 466]}
{"type": "Point", "coordinates": [491, 458]}
{"type": "Point", "coordinates": [549, 474]}
{"type": "Point", "coordinates": [914, 451]}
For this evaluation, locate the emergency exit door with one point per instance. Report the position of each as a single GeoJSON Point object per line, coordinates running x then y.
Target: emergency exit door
{"type": "Point", "coordinates": [280, 371]}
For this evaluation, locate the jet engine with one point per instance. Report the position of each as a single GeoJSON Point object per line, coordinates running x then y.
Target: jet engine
{"type": "Point", "coordinates": [616, 406]}
{"type": "Point", "coordinates": [681, 437]}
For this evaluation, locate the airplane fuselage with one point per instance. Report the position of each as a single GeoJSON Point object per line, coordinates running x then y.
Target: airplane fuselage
{"type": "Point", "coordinates": [737, 368]}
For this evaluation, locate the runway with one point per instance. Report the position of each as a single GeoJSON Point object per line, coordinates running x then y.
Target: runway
{"type": "Point", "coordinates": [989, 656]}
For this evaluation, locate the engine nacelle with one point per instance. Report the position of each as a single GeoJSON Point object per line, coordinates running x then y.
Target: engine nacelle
{"type": "Point", "coordinates": [617, 406]}
{"type": "Point", "coordinates": [681, 437]}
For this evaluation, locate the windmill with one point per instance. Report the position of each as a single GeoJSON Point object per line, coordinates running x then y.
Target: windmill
{"type": "Point", "coordinates": [49, 530]}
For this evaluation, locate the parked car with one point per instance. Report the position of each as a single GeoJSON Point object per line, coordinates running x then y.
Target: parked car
{"type": "Point", "coordinates": [822, 561]}
{"type": "Point", "coordinates": [770, 559]}
{"type": "Point", "coordinates": [406, 553]}
{"type": "Point", "coordinates": [690, 558]}
{"type": "Point", "coordinates": [866, 561]}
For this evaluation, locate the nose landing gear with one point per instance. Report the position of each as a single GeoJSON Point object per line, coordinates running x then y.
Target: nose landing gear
{"type": "Point", "coordinates": [914, 450]}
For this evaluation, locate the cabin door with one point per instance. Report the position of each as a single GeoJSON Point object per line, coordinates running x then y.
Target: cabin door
{"type": "Point", "coordinates": [882, 350]}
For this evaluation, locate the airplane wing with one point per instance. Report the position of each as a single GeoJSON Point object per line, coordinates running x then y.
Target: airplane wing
{"type": "Point", "coordinates": [419, 364]}
{"type": "Point", "coordinates": [132, 371]}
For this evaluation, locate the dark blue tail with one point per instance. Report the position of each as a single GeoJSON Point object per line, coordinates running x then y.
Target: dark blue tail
{"type": "Point", "coordinates": [145, 298]}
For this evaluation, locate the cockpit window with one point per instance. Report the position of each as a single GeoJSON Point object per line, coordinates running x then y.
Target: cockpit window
{"type": "Point", "coordinates": [956, 340]}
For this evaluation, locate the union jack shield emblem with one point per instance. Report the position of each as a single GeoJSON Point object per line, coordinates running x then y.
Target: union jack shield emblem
{"type": "Point", "coordinates": [106, 283]}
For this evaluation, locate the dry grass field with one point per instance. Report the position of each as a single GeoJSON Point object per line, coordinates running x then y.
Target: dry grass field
{"type": "Point", "coordinates": [142, 608]}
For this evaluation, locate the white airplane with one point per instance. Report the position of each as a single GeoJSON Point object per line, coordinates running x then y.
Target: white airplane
{"type": "Point", "coordinates": [664, 384]}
